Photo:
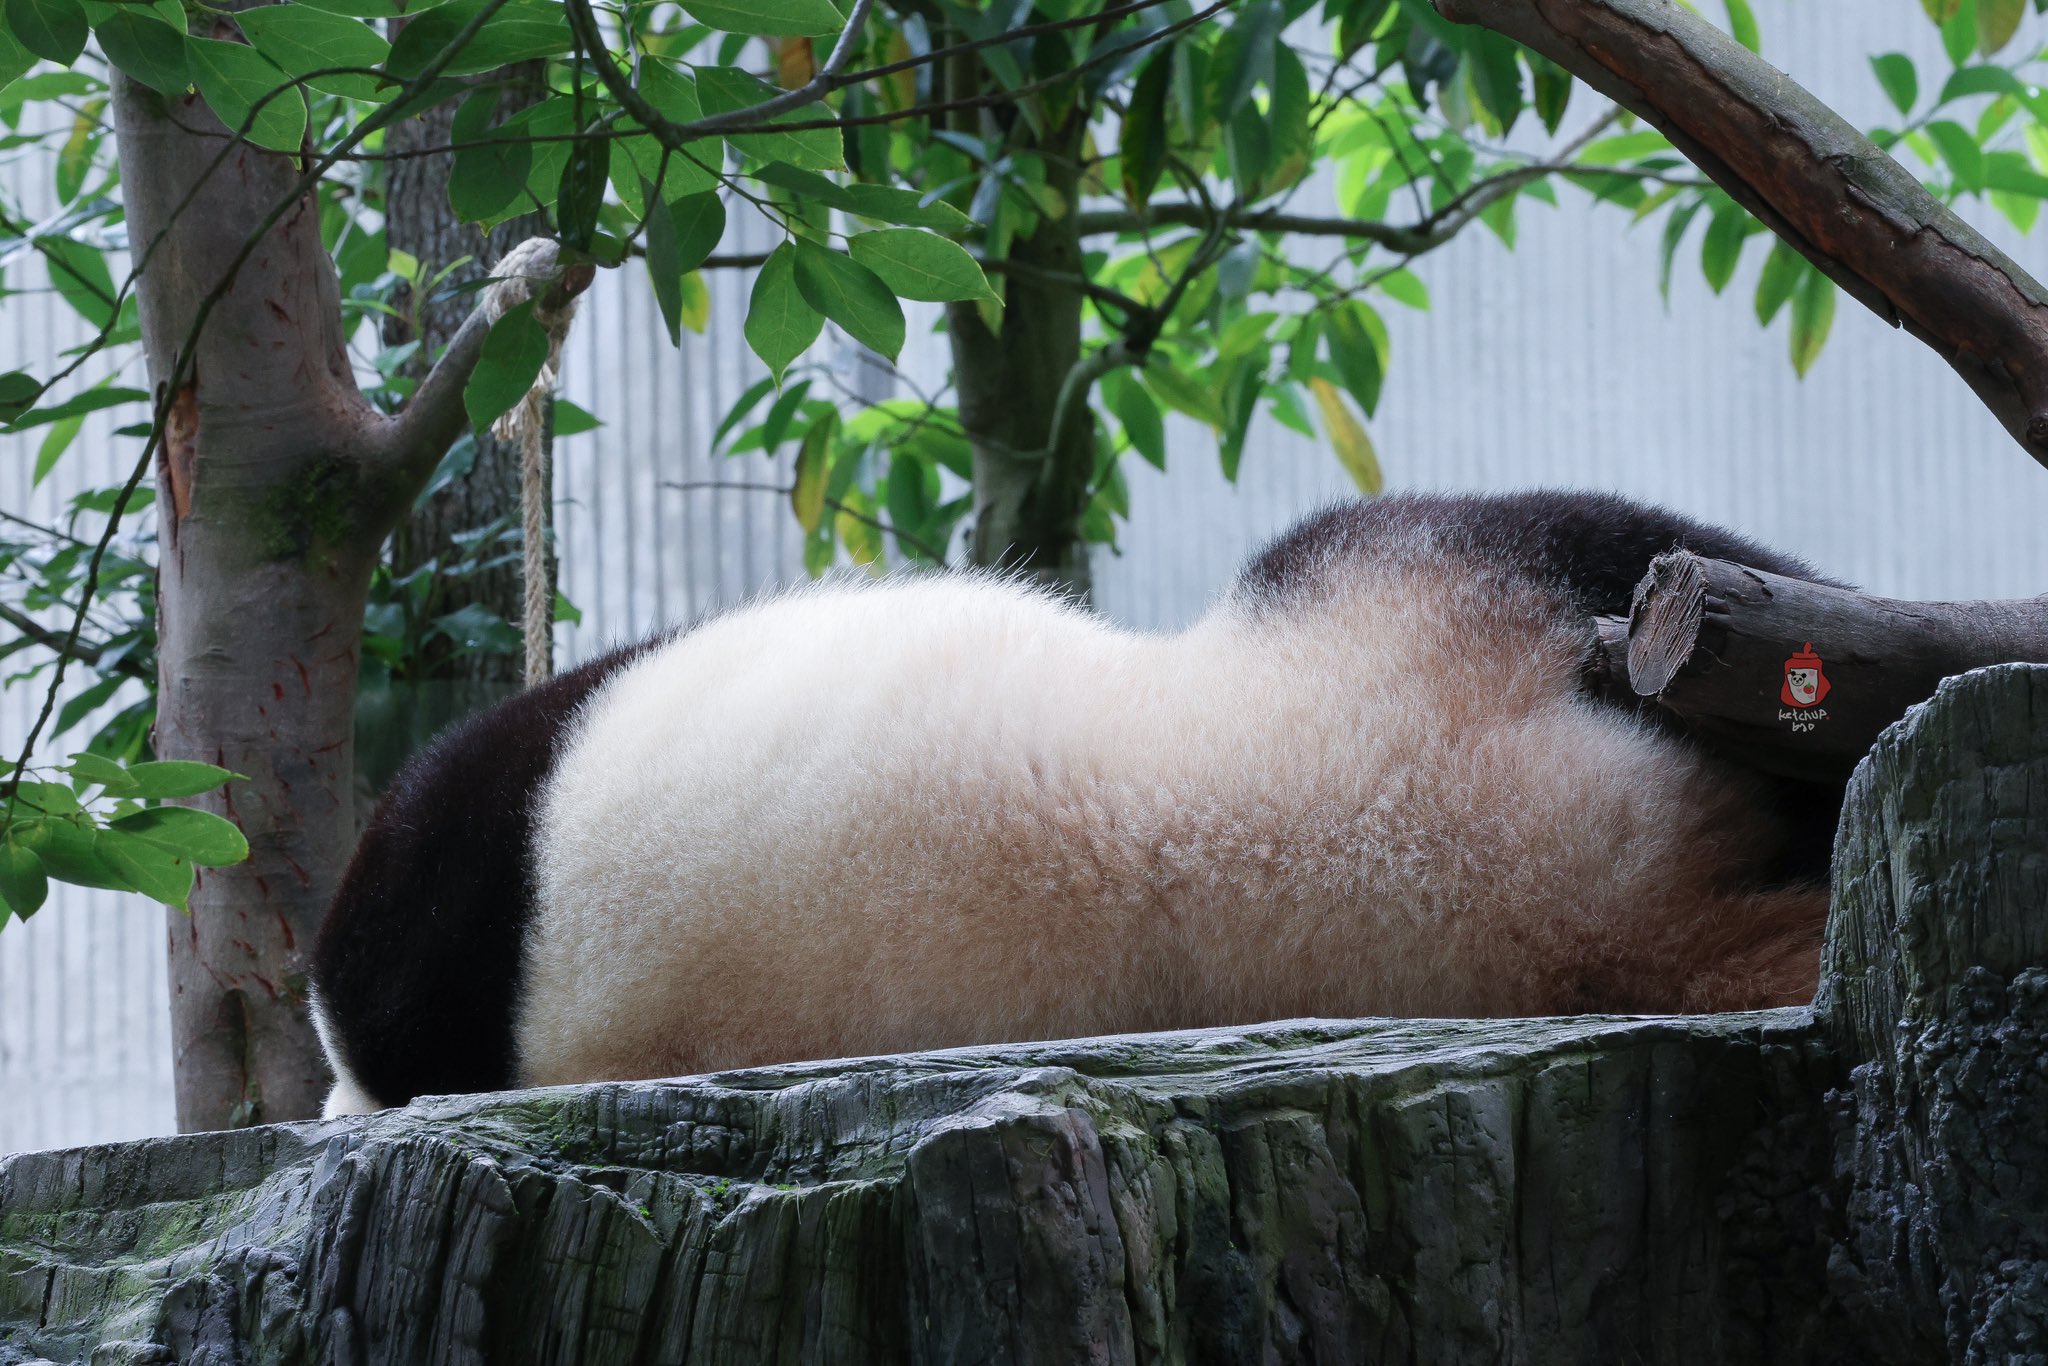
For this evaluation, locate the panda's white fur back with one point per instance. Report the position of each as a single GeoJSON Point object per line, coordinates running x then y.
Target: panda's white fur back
{"type": "Point", "coordinates": [947, 810]}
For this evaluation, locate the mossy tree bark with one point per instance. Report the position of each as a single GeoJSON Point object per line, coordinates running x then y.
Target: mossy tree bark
{"type": "Point", "coordinates": [1856, 1183]}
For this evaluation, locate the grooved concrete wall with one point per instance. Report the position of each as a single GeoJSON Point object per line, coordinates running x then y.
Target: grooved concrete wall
{"type": "Point", "coordinates": [1556, 365]}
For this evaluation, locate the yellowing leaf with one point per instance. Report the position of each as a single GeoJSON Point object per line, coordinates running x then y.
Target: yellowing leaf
{"type": "Point", "coordinates": [1347, 434]}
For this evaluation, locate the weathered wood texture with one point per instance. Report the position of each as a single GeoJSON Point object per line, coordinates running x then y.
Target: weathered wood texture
{"type": "Point", "coordinates": [1712, 641]}
{"type": "Point", "coordinates": [1709, 1190]}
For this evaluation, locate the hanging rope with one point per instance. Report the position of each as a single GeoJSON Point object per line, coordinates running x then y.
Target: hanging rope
{"type": "Point", "coordinates": [524, 424]}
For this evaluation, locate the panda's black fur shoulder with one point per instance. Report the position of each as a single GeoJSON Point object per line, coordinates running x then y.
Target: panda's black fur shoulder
{"type": "Point", "coordinates": [417, 963]}
{"type": "Point", "coordinates": [1593, 547]}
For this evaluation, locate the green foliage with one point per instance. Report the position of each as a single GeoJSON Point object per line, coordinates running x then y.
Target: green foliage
{"type": "Point", "coordinates": [1167, 136]}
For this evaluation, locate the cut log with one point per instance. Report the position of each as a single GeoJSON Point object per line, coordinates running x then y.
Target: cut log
{"type": "Point", "coordinates": [1799, 678]}
{"type": "Point", "coordinates": [1866, 1182]}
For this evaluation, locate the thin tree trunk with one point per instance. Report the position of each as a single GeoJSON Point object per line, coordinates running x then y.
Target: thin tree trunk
{"type": "Point", "coordinates": [277, 485]}
{"type": "Point", "coordinates": [1030, 482]}
{"type": "Point", "coordinates": [265, 557]}
{"type": "Point", "coordinates": [419, 220]}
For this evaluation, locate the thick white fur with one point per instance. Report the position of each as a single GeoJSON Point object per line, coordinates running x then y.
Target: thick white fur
{"type": "Point", "coordinates": [926, 812]}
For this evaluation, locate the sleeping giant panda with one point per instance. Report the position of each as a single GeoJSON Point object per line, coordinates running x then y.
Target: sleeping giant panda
{"type": "Point", "coordinates": [942, 810]}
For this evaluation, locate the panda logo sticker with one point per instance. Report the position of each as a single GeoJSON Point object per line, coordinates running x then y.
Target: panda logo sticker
{"type": "Point", "coordinates": [1805, 687]}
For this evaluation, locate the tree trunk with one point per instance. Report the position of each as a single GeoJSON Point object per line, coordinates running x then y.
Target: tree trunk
{"type": "Point", "coordinates": [1030, 482]}
{"type": "Point", "coordinates": [419, 220]}
{"type": "Point", "coordinates": [264, 562]}
{"type": "Point", "coordinates": [1861, 1182]}
{"type": "Point", "coordinates": [277, 484]}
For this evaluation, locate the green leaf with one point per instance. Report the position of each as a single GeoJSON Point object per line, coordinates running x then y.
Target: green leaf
{"type": "Point", "coordinates": [1742, 25]}
{"type": "Point", "coordinates": [1997, 21]}
{"type": "Point", "coordinates": [1553, 91]}
{"type": "Point", "coordinates": [88, 401]}
{"type": "Point", "coordinates": [84, 703]}
{"type": "Point", "coordinates": [1813, 313]}
{"type": "Point", "coordinates": [146, 867]}
{"type": "Point", "coordinates": [160, 778]}
{"type": "Point", "coordinates": [301, 39]}
{"type": "Point", "coordinates": [1358, 343]}
{"type": "Point", "coordinates": [488, 180]}
{"type": "Point", "coordinates": [506, 367]}
{"type": "Point", "coordinates": [768, 18]}
{"type": "Point", "coordinates": [780, 324]}
{"type": "Point", "coordinates": [895, 204]}
{"type": "Point", "coordinates": [54, 30]}
{"type": "Point", "coordinates": [920, 265]}
{"type": "Point", "coordinates": [208, 840]}
{"type": "Point", "coordinates": [1900, 81]}
{"type": "Point", "coordinates": [1354, 448]}
{"type": "Point", "coordinates": [1496, 72]}
{"type": "Point", "coordinates": [521, 31]}
{"type": "Point", "coordinates": [23, 883]}
{"type": "Point", "coordinates": [146, 49]}
{"type": "Point", "coordinates": [1142, 153]}
{"type": "Point", "coordinates": [236, 79]}
{"type": "Point", "coordinates": [573, 420]}
{"type": "Point", "coordinates": [1243, 59]}
{"type": "Point", "coordinates": [1981, 80]}
{"type": "Point", "coordinates": [59, 440]}
{"type": "Point", "coordinates": [1959, 33]}
{"type": "Point", "coordinates": [679, 237]}
{"type": "Point", "coordinates": [1144, 425]}
{"type": "Point", "coordinates": [581, 192]}
{"type": "Point", "coordinates": [850, 295]}
{"type": "Point", "coordinates": [813, 463]}
{"type": "Point", "coordinates": [66, 845]}
{"type": "Point", "coordinates": [1722, 247]}
{"type": "Point", "coordinates": [79, 272]}
{"type": "Point", "coordinates": [97, 769]}
{"type": "Point", "coordinates": [18, 389]}
{"type": "Point", "coordinates": [1780, 276]}
{"type": "Point", "coordinates": [1183, 393]}
{"type": "Point", "coordinates": [1405, 287]}
{"type": "Point", "coordinates": [725, 89]}
{"type": "Point", "coordinates": [1941, 11]}
{"type": "Point", "coordinates": [1964, 157]}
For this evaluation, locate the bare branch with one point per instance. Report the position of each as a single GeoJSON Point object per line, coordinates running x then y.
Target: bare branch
{"type": "Point", "coordinates": [1865, 221]}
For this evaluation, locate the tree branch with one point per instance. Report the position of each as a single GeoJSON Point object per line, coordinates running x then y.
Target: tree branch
{"type": "Point", "coordinates": [88, 655]}
{"type": "Point", "coordinates": [420, 435]}
{"type": "Point", "coordinates": [1865, 221]}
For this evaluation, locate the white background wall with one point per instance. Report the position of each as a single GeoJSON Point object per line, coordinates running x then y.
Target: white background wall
{"type": "Point", "coordinates": [1556, 365]}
